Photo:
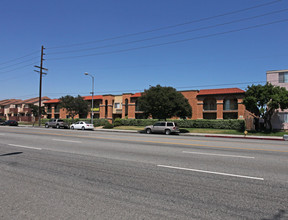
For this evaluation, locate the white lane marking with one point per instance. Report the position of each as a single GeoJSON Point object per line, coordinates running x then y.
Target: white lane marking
{"type": "Point", "coordinates": [211, 172]}
{"type": "Point", "coordinates": [34, 148]}
{"type": "Point", "coordinates": [66, 140]}
{"type": "Point", "coordinates": [222, 155]}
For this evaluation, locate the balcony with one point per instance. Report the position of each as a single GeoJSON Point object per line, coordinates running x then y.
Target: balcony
{"type": "Point", "coordinates": [13, 110]}
{"type": "Point", "coordinates": [118, 110]}
{"type": "Point", "coordinates": [27, 110]}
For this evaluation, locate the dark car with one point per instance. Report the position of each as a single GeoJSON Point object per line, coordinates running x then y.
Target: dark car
{"type": "Point", "coordinates": [11, 123]}
{"type": "Point", "coordinates": [2, 122]}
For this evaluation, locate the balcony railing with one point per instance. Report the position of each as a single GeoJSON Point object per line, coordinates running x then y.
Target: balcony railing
{"type": "Point", "coordinates": [118, 110]}
{"type": "Point", "coordinates": [13, 110]}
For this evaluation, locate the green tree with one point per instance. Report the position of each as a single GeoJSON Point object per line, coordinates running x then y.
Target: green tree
{"type": "Point", "coordinates": [264, 100]}
{"type": "Point", "coordinates": [164, 102]}
{"type": "Point", "coordinates": [35, 110]}
{"type": "Point", "coordinates": [74, 105]}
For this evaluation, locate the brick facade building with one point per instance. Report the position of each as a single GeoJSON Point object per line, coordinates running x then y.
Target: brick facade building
{"type": "Point", "coordinates": [206, 104]}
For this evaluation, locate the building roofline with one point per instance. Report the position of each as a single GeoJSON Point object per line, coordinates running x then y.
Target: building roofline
{"type": "Point", "coordinates": [276, 71]}
{"type": "Point", "coordinates": [190, 90]}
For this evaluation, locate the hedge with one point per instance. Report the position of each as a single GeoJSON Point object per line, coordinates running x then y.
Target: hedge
{"type": "Point", "coordinates": [233, 124]}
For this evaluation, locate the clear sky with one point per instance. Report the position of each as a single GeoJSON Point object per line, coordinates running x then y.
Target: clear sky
{"type": "Point", "coordinates": [129, 45]}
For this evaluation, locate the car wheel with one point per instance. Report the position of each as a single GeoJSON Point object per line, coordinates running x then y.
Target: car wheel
{"type": "Point", "coordinates": [57, 126]}
{"type": "Point", "coordinates": [46, 126]}
{"type": "Point", "coordinates": [83, 128]}
{"type": "Point", "coordinates": [167, 132]}
{"type": "Point", "coordinates": [148, 131]}
{"type": "Point", "coordinates": [72, 128]}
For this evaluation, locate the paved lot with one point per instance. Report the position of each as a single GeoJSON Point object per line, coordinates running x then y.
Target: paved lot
{"type": "Point", "coordinates": [64, 174]}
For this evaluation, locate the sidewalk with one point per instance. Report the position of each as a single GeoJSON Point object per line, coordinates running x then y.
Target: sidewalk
{"type": "Point", "coordinates": [274, 138]}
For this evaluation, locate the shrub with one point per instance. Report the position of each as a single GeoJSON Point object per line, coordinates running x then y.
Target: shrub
{"type": "Point", "coordinates": [201, 123]}
{"type": "Point", "coordinates": [117, 122]}
{"type": "Point", "coordinates": [108, 125]}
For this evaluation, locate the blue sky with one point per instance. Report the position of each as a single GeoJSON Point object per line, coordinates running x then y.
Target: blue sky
{"type": "Point", "coordinates": [131, 44]}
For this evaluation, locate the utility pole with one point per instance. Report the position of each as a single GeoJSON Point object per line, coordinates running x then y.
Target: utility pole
{"type": "Point", "coordinates": [40, 85]}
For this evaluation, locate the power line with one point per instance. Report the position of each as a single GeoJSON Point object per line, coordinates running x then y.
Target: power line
{"type": "Point", "coordinates": [174, 42]}
{"type": "Point", "coordinates": [25, 61]}
{"type": "Point", "coordinates": [142, 90]}
{"type": "Point", "coordinates": [168, 27]}
{"type": "Point", "coordinates": [173, 34]}
{"type": "Point", "coordinates": [27, 55]}
{"type": "Point", "coordinates": [21, 67]}
{"type": "Point", "coordinates": [183, 87]}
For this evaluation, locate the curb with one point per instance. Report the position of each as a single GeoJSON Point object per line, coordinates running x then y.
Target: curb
{"type": "Point", "coordinates": [202, 135]}
{"type": "Point", "coordinates": [193, 134]}
{"type": "Point", "coordinates": [253, 138]}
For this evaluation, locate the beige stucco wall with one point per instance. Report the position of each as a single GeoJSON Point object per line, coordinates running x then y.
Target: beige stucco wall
{"type": "Point", "coordinates": [273, 78]}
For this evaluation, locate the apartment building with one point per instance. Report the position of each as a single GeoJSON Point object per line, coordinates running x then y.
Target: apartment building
{"type": "Point", "coordinates": [20, 110]}
{"type": "Point", "coordinates": [206, 104]}
{"type": "Point", "coordinates": [279, 78]}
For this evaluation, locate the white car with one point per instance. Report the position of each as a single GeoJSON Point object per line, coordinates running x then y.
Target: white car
{"type": "Point", "coordinates": [82, 125]}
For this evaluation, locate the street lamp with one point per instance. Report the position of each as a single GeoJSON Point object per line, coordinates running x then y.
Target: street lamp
{"type": "Point", "coordinates": [87, 74]}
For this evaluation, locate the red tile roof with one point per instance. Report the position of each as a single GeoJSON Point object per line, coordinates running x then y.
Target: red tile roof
{"type": "Point", "coordinates": [10, 101]}
{"type": "Point", "coordinates": [136, 95]}
{"type": "Point", "coordinates": [94, 97]}
{"type": "Point", "coordinates": [221, 91]}
{"type": "Point", "coordinates": [36, 99]}
{"type": "Point", "coordinates": [52, 101]}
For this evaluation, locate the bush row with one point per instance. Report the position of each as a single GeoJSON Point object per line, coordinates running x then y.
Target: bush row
{"type": "Point", "coordinates": [201, 123]}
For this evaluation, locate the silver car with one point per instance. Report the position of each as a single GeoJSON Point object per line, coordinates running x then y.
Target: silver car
{"type": "Point", "coordinates": [166, 127]}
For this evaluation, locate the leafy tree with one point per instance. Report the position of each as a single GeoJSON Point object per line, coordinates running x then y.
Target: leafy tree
{"type": "Point", "coordinates": [74, 105]}
{"type": "Point", "coordinates": [35, 110]}
{"type": "Point", "coordinates": [164, 102]}
{"type": "Point", "coordinates": [264, 100]}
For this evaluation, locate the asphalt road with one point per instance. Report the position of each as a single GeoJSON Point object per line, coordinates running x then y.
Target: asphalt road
{"type": "Point", "coordinates": [65, 174]}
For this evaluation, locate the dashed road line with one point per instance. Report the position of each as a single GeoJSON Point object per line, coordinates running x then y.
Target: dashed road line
{"type": "Point", "coordinates": [211, 172]}
{"type": "Point", "coordinates": [67, 141]}
{"type": "Point", "coordinates": [221, 155]}
{"type": "Point", "coordinates": [16, 145]}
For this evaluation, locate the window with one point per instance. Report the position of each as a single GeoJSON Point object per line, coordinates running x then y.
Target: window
{"type": "Point", "coordinates": [284, 117]}
{"type": "Point", "coordinates": [283, 77]}
{"type": "Point", "coordinates": [230, 104]}
{"type": "Point", "coordinates": [117, 105]}
{"type": "Point", "coordinates": [209, 104]}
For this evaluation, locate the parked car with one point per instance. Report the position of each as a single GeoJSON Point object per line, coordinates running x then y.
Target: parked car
{"type": "Point", "coordinates": [2, 122]}
{"type": "Point", "coordinates": [56, 123]}
{"type": "Point", "coordinates": [166, 127]}
{"type": "Point", "coordinates": [11, 123]}
{"type": "Point", "coordinates": [82, 125]}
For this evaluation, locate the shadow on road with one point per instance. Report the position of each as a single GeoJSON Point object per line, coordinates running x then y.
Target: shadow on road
{"type": "Point", "coordinates": [10, 154]}
{"type": "Point", "coordinates": [280, 215]}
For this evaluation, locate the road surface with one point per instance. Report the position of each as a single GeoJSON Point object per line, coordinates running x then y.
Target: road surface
{"type": "Point", "coordinates": [68, 174]}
